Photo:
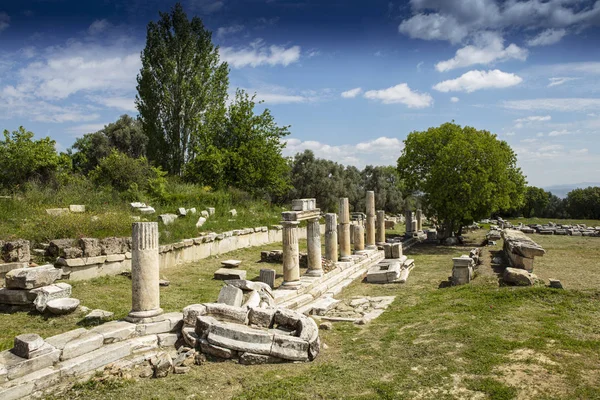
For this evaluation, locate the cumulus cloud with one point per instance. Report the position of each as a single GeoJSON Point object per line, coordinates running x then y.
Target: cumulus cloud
{"type": "Point", "coordinates": [454, 99]}
{"type": "Point", "coordinates": [454, 20]}
{"type": "Point", "coordinates": [4, 21]}
{"type": "Point", "coordinates": [554, 104]}
{"type": "Point", "coordinates": [349, 94]}
{"type": "Point", "coordinates": [98, 26]}
{"type": "Point", "coordinates": [229, 30]}
{"type": "Point", "coordinates": [477, 80]}
{"type": "Point", "coordinates": [547, 37]}
{"type": "Point", "coordinates": [257, 54]}
{"type": "Point", "coordinates": [380, 151]}
{"type": "Point", "coordinates": [121, 103]}
{"type": "Point", "coordinates": [534, 118]}
{"type": "Point", "coordinates": [401, 94]}
{"type": "Point", "coordinates": [488, 48]}
{"type": "Point", "coordinates": [278, 98]}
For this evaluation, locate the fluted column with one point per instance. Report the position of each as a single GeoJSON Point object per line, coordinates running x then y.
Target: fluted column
{"type": "Point", "coordinates": [419, 218]}
{"type": "Point", "coordinates": [145, 291]}
{"type": "Point", "coordinates": [380, 231]}
{"type": "Point", "coordinates": [359, 238]}
{"type": "Point", "coordinates": [313, 243]}
{"type": "Point", "coordinates": [370, 240]}
{"type": "Point", "coordinates": [331, 237]}
{"type": "Point", "coordinates": [291, 254]}
{"type": "Point", "coordinates": [345, 251]}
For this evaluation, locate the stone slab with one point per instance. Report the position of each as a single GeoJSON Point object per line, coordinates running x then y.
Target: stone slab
{"type": "Point", "coordinates": [226, 273]}
{"type": "Point", "coordinates": [115, 331]}
{"type": "Point", "coordinates": [31, 278]}
{"type": "Point", "coordinates": [231, 296]}
{"type": "Point", "coordinates": [85, 343]}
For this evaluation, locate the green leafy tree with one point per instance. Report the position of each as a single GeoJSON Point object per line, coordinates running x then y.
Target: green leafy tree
{"type": "Point", "coordinates": [182, 88]}
{"type": "Point", "coordinates": [124, 135]}
{"type": "Point", "coordinates": [23, 159]}
{"type": "Point", "coordinates": [464, 174]}
{"type": "Point", "coordinates": [584, 203]}
{"type": "Point", "coordinates": [245, 154]}
{"type": "Point", "coordinates": [556, 207]}
{"type": "Point", "coordinates": [385, 182]}
{"type": "Point", "coordinates": [535, 202]}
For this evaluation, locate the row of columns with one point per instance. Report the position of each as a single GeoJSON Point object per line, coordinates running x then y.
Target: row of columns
{"type": "Point", "coordinates": [416, 224]}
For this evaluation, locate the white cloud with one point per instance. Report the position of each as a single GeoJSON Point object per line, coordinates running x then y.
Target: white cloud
{"type": "Point", "coordinates": [560, 133]}
{"type": "Point", "coordinates": [487, 49]}
{"type": "Point", "coordinates": [547, 37]}
{"type": "Point", "coordinates": [98, 26]}
{"type": "Point", "coordinates": [85, 128]}
{"type": "Point", "coordinates": [257, 54]}
{"type": "Point", "coordinates": [534, 118]}
{"type": "Point", "coordinates": [206, 6]}
{"type": "Point", "coordinates": [380, 151]}
{"type": "Point", "coordinates": [476, 80]}
{"type": "Point", "coordinates": [121, 103]}
{"type": "Point", "coordinates": [531, 140]}
{"type": "Point", "coordinates": [552, 147]}
{"type": "Point", "coordinates": [349, 94]}
{"type": "Point", "coordinates": [401, 94]}
{"type": "Point", "coordinates": [433, 27]}
{"type": "Point", "coordinates": [553, 104]}
{"type": "Point", "coordinates": [229, 30]}
{"type": "Point", "coordinates": [454, 99]}
{"type": "Point", "coordinates": [560, 81]}
{"type": "Point", "coordinates": [278, 98]}
{"type": "Point", "coordinates": [4, 21]}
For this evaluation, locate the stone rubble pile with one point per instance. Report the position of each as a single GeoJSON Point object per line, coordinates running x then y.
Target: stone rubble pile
{"type": "Point", "coordinates": [13, 254]}
{"type": "Point", "coordinates": [547, 229]}
{"type": "Point", "coordinates": [359, 310]}
{"type": "Point", "coordinates": [251, 335]}
{"type": "Point", "coordinates": [33, 288]}
{"type": "Point", "coordinates": [395, 268]}
{"type": "Point", "coordinates": [142, 208]}
{"type": "Point", "coordinates": [243, 293]}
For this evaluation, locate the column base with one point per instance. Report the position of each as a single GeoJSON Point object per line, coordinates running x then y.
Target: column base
{"type": "Point", "coordinates": [144, 317]}
{"type": "Point", "coordinates": [371, 247]}
{"type": "Point", "coordinates": [314, 272]}
{"type": "Point", "coordinates": [293, 285]}
{"type": "Point", "coordinates": [346, 258]}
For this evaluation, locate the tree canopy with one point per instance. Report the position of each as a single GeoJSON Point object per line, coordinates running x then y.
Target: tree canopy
{"type": "Point", "coordinates": [182, 89]}
{"type": "Point", "coordinates": [464, 174]}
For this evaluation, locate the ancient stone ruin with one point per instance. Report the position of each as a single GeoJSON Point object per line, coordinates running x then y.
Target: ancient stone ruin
{"type": "Point", "coordinates": [520, 250]}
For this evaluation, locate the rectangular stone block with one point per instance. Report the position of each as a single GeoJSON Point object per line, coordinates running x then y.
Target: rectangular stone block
{"type": "Point", "coordinates": [77, 208]}
{"type": "Point", "coordinates": [15, 297]}
{"type": "Point", "coordinates": [95, 359]}
{"type": "Point", "coordinates": [18, 366]}
{"type": "Point", "coordinates": [396, 249]}
{"type": "Point", "coordinates": [31, 278]}
{"type": "Point", "coordinates": [60, 341]}
{"type": "Point", "coordinates": [26, 344]}
{"type": "Point", "coordinates": [226, 273]}
{"type": "Point", "coordinates": [115, 331]}
{"type": "Point", "coordinates": [44, 294]}
{"type": "Point", "coordinates": [70, 262]}
{"type": "Point", "coordinates": [300, 215]}
{"type": "Point", "coordinates": [85, 343]}
{"type": "Point", "coordinates": [231, 296]}
{"type": "Point", "coordinates": [167, 339]}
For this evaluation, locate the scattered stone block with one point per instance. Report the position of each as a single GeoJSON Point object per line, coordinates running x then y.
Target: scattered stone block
{"type": "Point", "coordinates": [85, 343]}
{"type": "Point", "coordinates": [201, 221]}
{"type": "Point", "coordinates": [17, 367]}
{"type": "Point", "coordinates": [61, 340]}
{"type": "Point", "coordinates": [519, 277]}
{"type": "Point", "coordinates": [162, 364]}
{"type": "Point", "coordinates": [231, 263]}
{"type": "Point", "coordinates": [56, 212]}
{"type": "Point", "coordinates": [164, 282]}
{"type": "Point", "coordinates": [46, 294]}
{"type": "Point", "coordinates": [31, 278]}
{"type": "Point", "coordinates": [303, 204]}
{"type": "Point", "coordinates": [555, 284]}
{"type": "Point", "coordinates": [247, 358]}
{"type": "Point", "coordinates": [181, 211]}
{"type": "Point", "coordinates": [226, 273]}
{"type": "Point", "coordinates": [384, 272]}
{"type": "Point", "coordinates": [15, 251]}
{"type": "Point", "coordinates": [167, 219]}
{"type": "Point", "coordinates": [77, 208]}
{"type": "Point", "coordinates": [211, 210]}
{"type": "Point", "coordinates": [231, 296]}
{"type": "Point", "coordinates": [98, 316]}
{"type": "Point", "coordinates": [62, 306]}
{"type": "Point", "coordinates": [27, 344]}
{"type": "Point", "coordinates": [90, 246]}
{"type": "Point", "coordinates": [191, 211]}
{"type": "Point", "coordinates": [115, 331]}
{"type": "Point", "coordinates": [396, 249]}
{"type": "Point", "coordinates": [15, 297]}
{"type": "Point", "coordinates": [267, 276]}
{"type": "Point", "coordinates": [233, 212]}
{"type": "Point", "coordinates": [204, 213]}
{"type": "Point", "coordinates": [146, 210]}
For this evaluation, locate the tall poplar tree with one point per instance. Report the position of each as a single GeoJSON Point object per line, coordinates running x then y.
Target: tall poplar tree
{"type": "Point", "coordinates": [182, 88]}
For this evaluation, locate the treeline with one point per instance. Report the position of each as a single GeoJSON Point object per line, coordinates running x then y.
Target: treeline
{"type": "Point", "coordinates": [579, 204]}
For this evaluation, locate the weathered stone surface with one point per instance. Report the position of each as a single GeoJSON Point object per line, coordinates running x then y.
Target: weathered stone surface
{"type": "Point", "coordinates": [289, 348]}
{"type": "Point", "coordinates": [181, 211]}
{"type": "Point", "coordinates": [521, 244]}
{"type": "Point", "coordinates": [95, 359]}
{"type": "Point", "coordinates": [211, 210]}
{"type": "Point", "coordinates": [62, 306]}
{"type": "Point", "coordinates": [31, 278]}
{"type": "Point", "coordinates": [15, 251]}
{"type": "Point", "coordinates": [90, 246]}
{"type": "Point", "coordinates": [26, 344]}
{"type": "Point", "coordinates": [113, 245]}
{"type": "Point", "coordinates": [226, 274]}
{"type": "Point", "coordinates": [77, 208]}
{"type": "Point", "coordinates": [231, 263]}
{"type": "Point", "coordinates": [231, 296]}
{"type": "Point", "coordinates": [85, 343]}
{"type": "Point", "coordinates": [204, 213]}
{"type": "Point", "coordinates": [555, 284]}
{"type": "Point", "coordinates": [162, 364]}
{"type": "Point", "coordinates": [98, 316]}
{"type": "Point", "coordinates": [18, 366]}
{"type": "Point", "coordinates": [233, 212]}
{"type": "Point", "coordinates": [190, 337]}
{"type": "Point", "coordinates": [168, 339]}
{"type": "Point", "coordinates": [253, 300]}
{"type": "Point", "coordinates": [261, 317]}
{"type": "Point", "coordinates": [267, 276]}
{"type": "Point", "coordinates": [115, 331]}
{"type": "Point", "coordinates": [240, 337]}
{"type": "Point", "coordinates": [201, 221]}
{"type": "Point", "coordinates": [167, 219]}
{"type": "Point", "coordinates": [215, 351]}
{"type": "Point", "coordinates": [519, 277]}
{"type": "Point", "coordinates": [191, 313]}
{"type": "Point", "coordinates": [47, 293]}
{"type": "Point", "coordinates": [61, 340]}
{"type": "Point", "coordinates": [16, 297]}
{"type": "Point", "coordinates": [56, 212]}
{"type": "Point", "coordinates": [256, 359]}
{"type": "Point", "coordinates": [227, 313]}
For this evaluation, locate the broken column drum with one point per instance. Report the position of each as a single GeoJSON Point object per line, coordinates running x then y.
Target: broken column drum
{"type": "Point", "coordinates": [419, 218]}
{"type": "Point", "coordinates": [145, 292]}
{"type": "Point", "coordinates": [313, 243]}
{"type": "Point", "coordinates": [345, 251]}
{"type": "Point", "coordinates": [331, 237]}
{"type": "Point", "coordinates": [291, 254]}
{"type": "Point", "coordinates": [370, 240]}
{"type": "Point", "coordinates": [408, 221]}
{"type": "Point", "coordinates": [380, 237]}
{"type": "Point", "coordinates": [359, 238]}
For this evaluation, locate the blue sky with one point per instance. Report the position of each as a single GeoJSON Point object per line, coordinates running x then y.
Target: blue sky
{"type": "Point", "coordinates": [351, 78]}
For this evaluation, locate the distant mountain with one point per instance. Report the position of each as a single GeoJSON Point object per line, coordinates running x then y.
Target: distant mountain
{"type": "Point", "coordinates": [562, 190]}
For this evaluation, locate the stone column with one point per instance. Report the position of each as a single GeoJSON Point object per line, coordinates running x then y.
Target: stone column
{"type": "Point", "coordinates": [419, 218]}
{"type": "Point", "coordinates": [291, 255]}
{"type": "Point", "coordinates": [370, 242]}
{"type": "Point", "coordinates": [331, 237]}
{"type": "Point", "coordinates": [345, 251]}
{"type": "Point", "coordinates": [380, 227]}
{"type": "Point", "coordinates": [313, 244]}
{"type": "Point", "coordinates": [145, 291]}
{"type": "Point", "coordinates": [408, 222]}
{"type": "Point", "coordinates": [359, 238]}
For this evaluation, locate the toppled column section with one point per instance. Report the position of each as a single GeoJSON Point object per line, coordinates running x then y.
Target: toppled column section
{"type": "Point", "coordinates": [520, 249]}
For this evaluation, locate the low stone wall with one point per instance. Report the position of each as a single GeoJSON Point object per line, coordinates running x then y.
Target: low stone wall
{"type": "Point", "coordinates": [89, 258]}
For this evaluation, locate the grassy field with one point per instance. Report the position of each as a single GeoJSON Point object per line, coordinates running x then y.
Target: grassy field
{"type": "Point", "coordinates": [544, 221]}
{"type": "Point", "coordinates": [478, 341]}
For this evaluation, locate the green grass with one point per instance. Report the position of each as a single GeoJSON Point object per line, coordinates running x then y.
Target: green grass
{"type": "Point", "coordinates": [543, 221]}
{"type": "Point", "coordinates": [474, 341]}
